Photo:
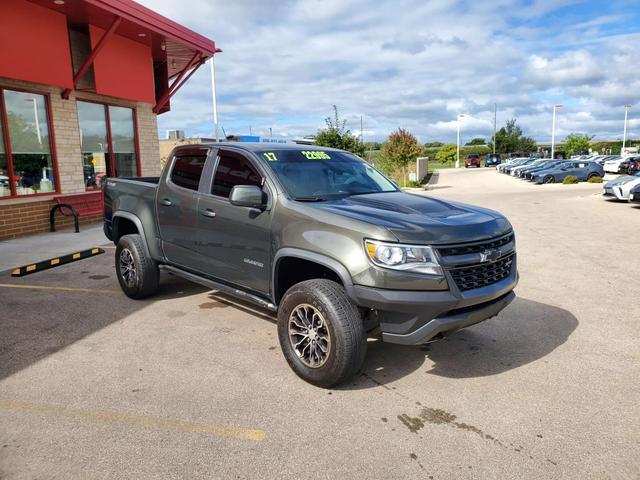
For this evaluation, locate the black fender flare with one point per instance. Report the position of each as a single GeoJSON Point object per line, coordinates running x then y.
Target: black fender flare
{"type": "Point", "coordinates": [318, 258]}
{"type": "Point", "coordinates": [136, 221]}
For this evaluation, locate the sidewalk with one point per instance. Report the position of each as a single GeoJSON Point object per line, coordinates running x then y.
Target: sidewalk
{"type": "Point", "coordinates": [35, 248]}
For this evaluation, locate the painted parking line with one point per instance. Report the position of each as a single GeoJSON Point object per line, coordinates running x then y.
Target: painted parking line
{"type": "Point", "coordinates": [61, 289]}
{"type": "Point", "coordinates": [134, 420]}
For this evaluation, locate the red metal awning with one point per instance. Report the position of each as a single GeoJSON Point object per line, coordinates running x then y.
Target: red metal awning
{"type": "Point", "coordinates": [175, 48]}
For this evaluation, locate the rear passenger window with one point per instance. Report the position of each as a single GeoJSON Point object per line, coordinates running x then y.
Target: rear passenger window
{"type": "Point", "coordinates": [187, 171]}
{"type": "Point", "coordinates": [233, 169]}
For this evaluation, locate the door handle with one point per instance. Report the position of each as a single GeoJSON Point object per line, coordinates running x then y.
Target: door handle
{"type": "Point", "coordinates": [207, 212]}
{"type": "Point", "coordinates": [166, 202]}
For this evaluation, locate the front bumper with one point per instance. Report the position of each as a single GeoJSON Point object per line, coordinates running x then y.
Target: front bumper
{"type": "Point", "coordinates": [415, 317]}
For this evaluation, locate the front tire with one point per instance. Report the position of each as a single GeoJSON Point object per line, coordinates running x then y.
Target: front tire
{"type": "Point", "coordinates": [321, 333]}
{"type": "Point", "coordinates": [138, 275]}
{"type": "Point", "coordinates": [549, 179]}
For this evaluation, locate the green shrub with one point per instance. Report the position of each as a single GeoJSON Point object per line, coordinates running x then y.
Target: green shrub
{"type": "Point", "coordinates": [570, 179]}
{"type": "Point", "coordinates": [595, 179]}
{"type": "Point", "coordinates": [413, 184]}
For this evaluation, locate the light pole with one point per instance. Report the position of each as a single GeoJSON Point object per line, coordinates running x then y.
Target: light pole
{"type": "Point", "coordinates": [35, 115]}
{"type": "Point", "coordinates": [553, 131]}
{"type": "Point", "coordinates": [460, 116]}
{"type": "Point", "coordinates": [215, 100]}
{"type": "Point", "coordinates": [624, 134]}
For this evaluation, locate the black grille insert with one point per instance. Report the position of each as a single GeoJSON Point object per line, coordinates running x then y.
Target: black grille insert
{"type": "Point", "coordinates": [481, 275]}
{"type": "Point", "coordinates": [475, 248]}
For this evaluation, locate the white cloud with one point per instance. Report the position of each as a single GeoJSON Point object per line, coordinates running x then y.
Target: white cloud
{"type": "Point", "coordinates": [406, 63]}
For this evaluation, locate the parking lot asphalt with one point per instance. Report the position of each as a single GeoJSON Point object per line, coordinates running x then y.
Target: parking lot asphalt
{"type": "Point", "coordinates": [191, 384]}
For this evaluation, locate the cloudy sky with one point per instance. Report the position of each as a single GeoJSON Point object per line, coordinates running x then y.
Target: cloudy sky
{"type": "Point", "coordinates": [414, 64]}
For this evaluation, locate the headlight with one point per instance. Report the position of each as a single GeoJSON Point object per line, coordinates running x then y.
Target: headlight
{"type": "Point", "coordinates": [413, 258]}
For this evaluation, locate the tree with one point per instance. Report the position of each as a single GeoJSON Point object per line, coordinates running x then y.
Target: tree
{"type": "Point", "coordinates": [576, 142]}
{"type": "Point", "coordinates": [447, 153]}
{"type": "Point", "coordinates": [337, 135]}
{"type": "Point", "coordinates": [433, 144]}
{"type": "Point", "coordinates": [477, 141]}
{"type": "Point", "coordinates": [510, 139]}
{"type": "Point", "coordinates": [401, 149]}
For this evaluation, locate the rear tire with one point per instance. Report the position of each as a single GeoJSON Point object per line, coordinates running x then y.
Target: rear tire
{"type": "Point", "coordinates": [321, 333]}
{"type": "Point", "coordinates": [137, 273]}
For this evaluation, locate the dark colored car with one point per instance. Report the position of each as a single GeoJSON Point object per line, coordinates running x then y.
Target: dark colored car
{"type": "Point", "coordinates": [581, 169]}
{"type": "Point", "coordinates": [630, 165]}
{"type": "Point", "coordinates": [318, 236]}
{"type": "Point", "coordinates": [492, 160]}
{"type": "Point", "coordinates": [549, 165]}
{"type": "Point", "coordinates": [634, 196]}
{"type": "Point", "coordinates": [472, 160]}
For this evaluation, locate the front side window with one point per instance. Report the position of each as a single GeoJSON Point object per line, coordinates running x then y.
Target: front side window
{"type": "Point", "coordinates": [28, 137]}
{"type": "Point", "coordinates": [233, 169]}
{"type": "Point", "coordinates": [108, 137]}
{"type": "Point", "coordinates": [187, 170]}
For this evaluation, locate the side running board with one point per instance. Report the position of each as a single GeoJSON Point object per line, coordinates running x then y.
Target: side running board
{"type": "Point", "coordinates": [241, 294]}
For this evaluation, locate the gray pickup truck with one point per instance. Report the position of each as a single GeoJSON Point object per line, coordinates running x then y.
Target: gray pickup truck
{"type": "Point", "coordinates": [318, 236]}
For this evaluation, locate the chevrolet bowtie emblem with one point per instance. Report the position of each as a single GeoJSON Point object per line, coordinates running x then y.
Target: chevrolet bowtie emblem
{"type": "Point", "coordinates": [489, 255]}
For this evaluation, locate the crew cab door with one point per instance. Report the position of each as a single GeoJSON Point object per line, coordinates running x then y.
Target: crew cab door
{"type": "Point", "coordinates": [234, 242]}
{"type": "Point", "coordinates": [176, 206]}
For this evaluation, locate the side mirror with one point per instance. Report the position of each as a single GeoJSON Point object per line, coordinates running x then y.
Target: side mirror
{"type": "Point", "coordinates": [248, 196]}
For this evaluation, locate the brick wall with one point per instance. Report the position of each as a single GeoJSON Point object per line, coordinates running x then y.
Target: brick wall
{"type": "Point", "coordinates": [33, 217]}
{"type": "Point", "coordinates": [64, 117]}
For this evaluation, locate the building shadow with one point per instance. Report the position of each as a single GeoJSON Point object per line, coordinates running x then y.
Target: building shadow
{"type": "Point", "coordinates": [524, 332]}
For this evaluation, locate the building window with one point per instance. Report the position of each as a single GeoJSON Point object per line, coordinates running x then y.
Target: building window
{"type": "Point", "coordinates": [26, 160]}
{"type": "Point", "coordinates": [108, 138]}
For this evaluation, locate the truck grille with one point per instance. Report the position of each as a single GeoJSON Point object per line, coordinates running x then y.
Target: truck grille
{"type": "Point", "coordinates": [481, 275]}
{"type": "Point", "coordinates": [475, 248]}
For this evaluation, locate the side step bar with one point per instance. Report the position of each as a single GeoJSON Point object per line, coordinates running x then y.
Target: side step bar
{"type": "Point", "coordinates": [241, 294]}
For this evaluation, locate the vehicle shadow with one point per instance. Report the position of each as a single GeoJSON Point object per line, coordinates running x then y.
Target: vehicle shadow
{"type": "Point", "coordinates": [36, 323]}
{"type": "Point", "coordinates": [524, 332]}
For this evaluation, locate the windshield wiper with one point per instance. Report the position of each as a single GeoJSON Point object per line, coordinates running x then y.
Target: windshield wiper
{"type": "Point", "coordinates": [309, 199]}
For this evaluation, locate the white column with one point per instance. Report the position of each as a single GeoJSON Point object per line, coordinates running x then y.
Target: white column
{"type": "Point", "coordinates": [624, 133]}
{"type": "Point", "coordinates": [553, 131]}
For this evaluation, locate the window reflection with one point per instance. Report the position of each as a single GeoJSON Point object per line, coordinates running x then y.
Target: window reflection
{"type": "Point", "coordinates": [123, 141]}
{"type": "Point", "coordinates": [93, 138]}
{"type": "Point", "coordinates": [5, 185]}
{"type": "Point", "coordinates": [29, 138]}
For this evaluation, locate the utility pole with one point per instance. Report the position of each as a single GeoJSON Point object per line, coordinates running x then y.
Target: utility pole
{"type": "Point", "coordinates": [270, 133]}
{"type": "Point", "coordinates": [458, 140]}
{"type": "Point", "coordinates": [215, 101]}
{"type": "Point", "coordinates": [495, 117]}
{"type": "Point", "coordinates": [553, 132]}
{"type": "Point", "coordinates": [624, 134]}
{"type": "Point", "coordinates": [361, 132]}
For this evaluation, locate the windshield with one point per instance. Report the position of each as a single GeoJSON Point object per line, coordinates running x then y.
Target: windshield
{"type": "Point", "coordinates": [316, 175]}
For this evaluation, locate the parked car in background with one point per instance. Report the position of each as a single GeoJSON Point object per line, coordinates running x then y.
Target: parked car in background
{"type": "Point", "coordinates": [613, 165]}
{"type": "Point", "coordinates": [620, 188]}
{"type": "Point", "coordinates": [492, 160]}
{"type": "Point", "coordinates": [634, 168]}
{"type": "Point", "coordinates": [511, 168]}
{"type": "Point", "coordinates": [629, 165]}
{"type": "Point", "coordinates": [472, 160]}
{"type": "Point", "coordinates": [517, 171]}
{"type": "Point", "coordinates": [583, 170]}
{"type": "Point", "coordinates": [551, 164]}
{"type": "Point", "coordinates": [634, 195]}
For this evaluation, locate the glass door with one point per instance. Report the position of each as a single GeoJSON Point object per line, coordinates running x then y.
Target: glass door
{"type": "Point", "coordinates": [123, 141]}
{"type": "Point", "coordinates": [96, 162]}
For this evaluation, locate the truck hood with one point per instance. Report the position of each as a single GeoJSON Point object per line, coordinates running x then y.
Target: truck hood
{"type": "Point", "coordinates": [420, 219]}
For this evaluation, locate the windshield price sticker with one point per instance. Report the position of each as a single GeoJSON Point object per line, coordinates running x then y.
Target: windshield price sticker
{"type": "Point", "coordinates": [315, 155]}
{"type": "Point", "coordinates": [270, 156]}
